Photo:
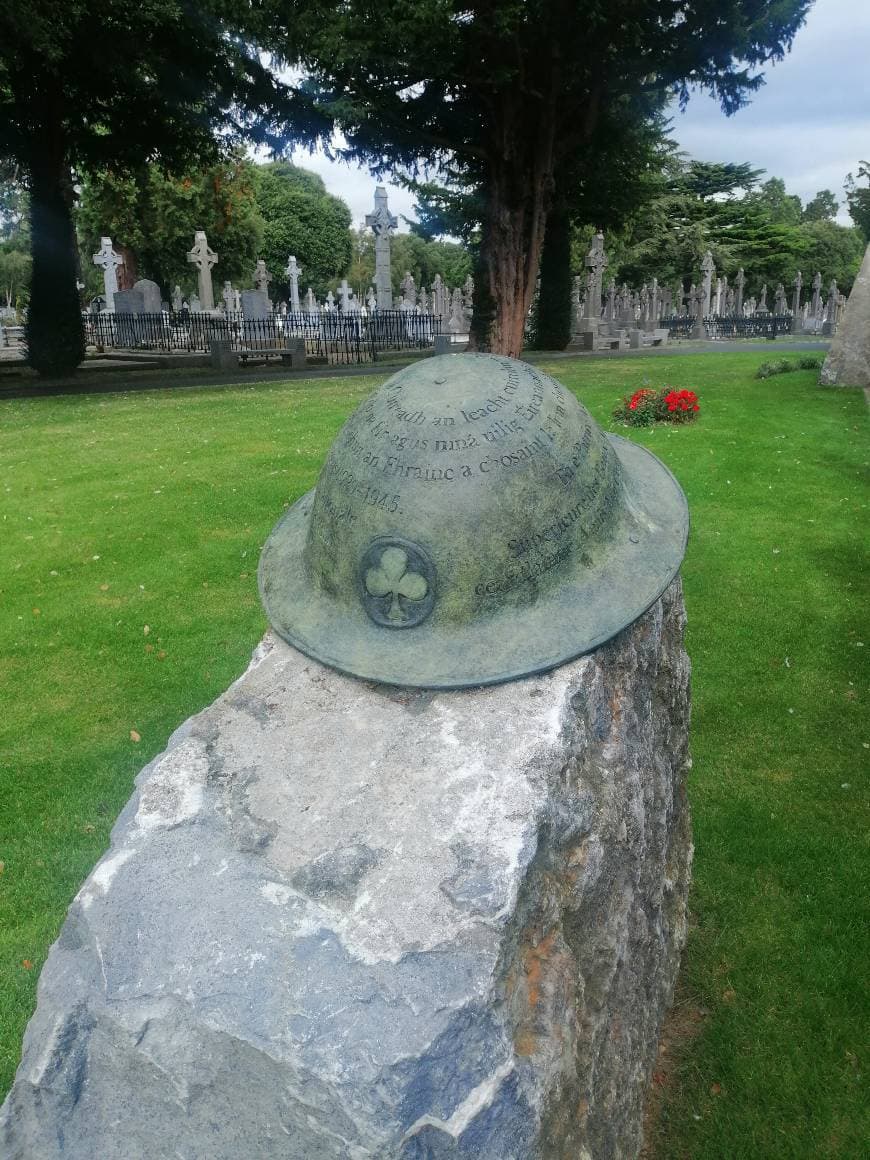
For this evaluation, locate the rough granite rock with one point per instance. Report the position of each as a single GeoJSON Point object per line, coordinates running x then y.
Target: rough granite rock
{"type": "Point", "coordinates": [343, 920]}
{"type": "Point", "coordinates": [848, 361]}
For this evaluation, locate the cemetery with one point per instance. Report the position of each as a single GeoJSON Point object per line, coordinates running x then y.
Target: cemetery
{"type": "Point", "coordinates": [433, 649]}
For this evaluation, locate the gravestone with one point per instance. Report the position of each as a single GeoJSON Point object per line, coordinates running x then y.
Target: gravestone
{"type": "Point", "coordinates": [739, 282]}
{"type": "Point", "coordinates": [108, 261]}
{"type": "Point", "coordinates": [708, 269]}
{"type": "Point", "coordinates": [348, 918]}
{"type": "Point", "coordinates": [255, 305]}
{"type": "Point", "coordinates": [830, 324]}
{"type": "Point", "coordinates": [383, 224]}
{"type": "Point", "coordinates": [151, 298]}
{"type": "Point", "coordinates": [293, 271]}
{"type": "Point", "coordinates": [129, 305]}
{"type": "Point", "coordinates": [796, 316]}
{"type": "Point", "coordinates": [203, 258]}
{"type": "Point", "coordinates": [816, 308]}
{"type": "Point", "coordinates": [848, 361]}
{"type": "Point", "coordinates": [262, 277]}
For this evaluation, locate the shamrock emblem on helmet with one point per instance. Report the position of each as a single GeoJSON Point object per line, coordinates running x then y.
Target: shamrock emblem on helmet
{"type": "Point", "coordinates": [397, 583]}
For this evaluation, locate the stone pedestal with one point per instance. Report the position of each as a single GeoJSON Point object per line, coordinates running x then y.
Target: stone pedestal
{"type": "Point", "coordinates": [345, 920]}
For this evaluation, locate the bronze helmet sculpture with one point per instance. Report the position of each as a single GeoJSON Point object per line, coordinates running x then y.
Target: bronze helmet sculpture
{"type": "Point", "coordinates": [472, 524]}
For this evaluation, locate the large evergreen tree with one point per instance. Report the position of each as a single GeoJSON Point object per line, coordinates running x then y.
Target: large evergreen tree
{"type": "Point", "coordinates": [118, 84]}
{"type": "Point", "coordinates": [506, 91]}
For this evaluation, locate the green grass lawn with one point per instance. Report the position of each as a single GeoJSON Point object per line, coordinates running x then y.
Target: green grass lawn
{"type": "Point", "coordinates": [130, 527]}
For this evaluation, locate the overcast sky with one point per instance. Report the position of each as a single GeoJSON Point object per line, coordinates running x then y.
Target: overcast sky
{"type": "Point", "coordinates": [809, 124]}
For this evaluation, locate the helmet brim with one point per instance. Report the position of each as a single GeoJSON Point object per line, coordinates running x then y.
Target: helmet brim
{"type": "Point", "coordinates": [588, 605]}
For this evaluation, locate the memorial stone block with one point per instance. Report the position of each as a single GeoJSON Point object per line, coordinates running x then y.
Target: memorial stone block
{"type": "Point", "coordinates": [437, 912]}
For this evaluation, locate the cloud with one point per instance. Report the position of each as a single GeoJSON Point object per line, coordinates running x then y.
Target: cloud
{"type": "Point", "coordinates": [810, 123]}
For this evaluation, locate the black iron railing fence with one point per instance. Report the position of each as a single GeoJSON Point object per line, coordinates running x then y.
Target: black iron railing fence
{"type": "Point", "coordinates": [729, 326]}
{"type": "Point", "coordinates": [333, 335]}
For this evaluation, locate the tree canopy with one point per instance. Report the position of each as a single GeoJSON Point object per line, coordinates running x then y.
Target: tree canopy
{"type": "Point", "coordinates": [762, 228]}
{"type": "Point", "coordinates": [505, 91]}
{"type": "Point", "coordinates": [858, 199]}
{"type": "Point", "coordinates": [117, 86]}
{"type": "Point", "coordinates": [299, 217]}
{"type": "Point", "coordinates": [151, 217]}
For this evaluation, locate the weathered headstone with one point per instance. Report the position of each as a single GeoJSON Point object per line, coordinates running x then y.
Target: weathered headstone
{"type": "Point", "coordinates": [382, 224]}
{"type": "Point", "coordinates": [177, 298]}
{"type": "Point", "coordinates": [108, 261]}
{"type": "Point", "coordinates": [310, 301]}
{"type": "Point", "coordinates": [129, 305]}
{"type": "Point", "coordinates": [129, 302]}
{"type": "Point", "coordinates": [255, 305]}
{"type": "Point", "coordinates": [203, 258]}
{"type": "Point", "coordinates": [151, 297]}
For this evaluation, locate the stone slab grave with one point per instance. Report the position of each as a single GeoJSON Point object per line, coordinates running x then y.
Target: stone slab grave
{"type": "Point", "coordinates": [345, 919]}
{"type": "Point", "coordinates": [848, 361]}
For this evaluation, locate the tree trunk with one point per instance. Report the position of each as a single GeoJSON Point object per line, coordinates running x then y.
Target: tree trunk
{"type": "Point", "coordinates": [517, 190]}
{"type": "Point", "coordinates": [508, 260]}
{"type": "Point", "coordinates": [55, 338]}
{"type": "Point", "coordinates": [552, 317]}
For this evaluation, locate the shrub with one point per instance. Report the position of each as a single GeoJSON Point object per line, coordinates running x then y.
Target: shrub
{"type": "Point", "coordinates": [648, 406]}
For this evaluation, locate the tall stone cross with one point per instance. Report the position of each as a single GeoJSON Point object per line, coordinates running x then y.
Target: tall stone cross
{"type": "Point", "coordinates": [344, 291]}
{"type": "Point", "coordinates": [382, 223]}
{"type": "Point", "coordinates": [739, 282]}
{"type": "Point", "coordinates": [708, 269]}
{"type": "Point", "coordinates": [796, 303]}
{"type": "Point", "coordinates": [262, 277]}
{"type": "Point", "coordinates": [108, 260]}
{"type": "Point", "coordinates": [596, 264]}
{"type": "Point", "coordinates": [817, 295]}
{"type": "Point", "coordinates": [293, 271]}
{"type": "Point", "coordinates": [203, 258]}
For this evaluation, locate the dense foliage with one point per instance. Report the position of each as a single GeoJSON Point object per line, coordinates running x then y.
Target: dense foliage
{"type": "Point", "coordinates": [84, 88]}
{"type": "Point", "coordinates": [699, 206]}
{"type": "Point", "coordinates": [506, 93]}
{"type": "Point", "coordinates": [152, 216]}
{"type": "Point", "coordinates": [858, 199]}
{"type": "Point", "coordinates": [412, 254]}
{"type": "Point", "coordinates": [299, 217]}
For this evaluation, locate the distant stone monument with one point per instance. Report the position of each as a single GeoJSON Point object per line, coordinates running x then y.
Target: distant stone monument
{"type": "Point", "coordinates": [262, 277]}
{"type": "Point", "coordinates": [796, 317]}
{"type": "Point", "coordinates": [108, 261]}
{"type": "Point", "coordinates": [293, 271]}
{"type": "Point", "coordinates": [708, 269]}
{"type": "Point", "coordinates": [436, 912]}
{"type": "Point", "coordinates": [382, 224]}
{"type": "Point", "coordinates": [203, 258]}
{"type": "Point", "coordinates": [848, 361]}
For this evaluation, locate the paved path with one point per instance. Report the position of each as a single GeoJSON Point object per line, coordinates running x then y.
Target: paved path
{"type": "Point", "coordinates": [94, 380]}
